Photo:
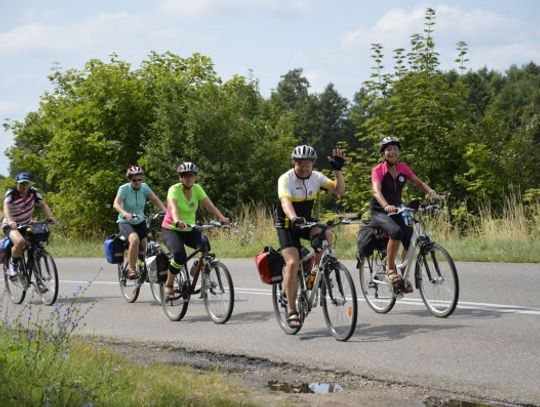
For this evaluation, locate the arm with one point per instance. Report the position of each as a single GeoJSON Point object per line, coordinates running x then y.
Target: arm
{"type": "Point", "coordinates": [47, 211]}
{"type": "Point", "coordinates": [155, 199]}
{"type": "Point", "coordinates": [422, 186]}
{"type": "Point", "coordinates": [378, 195]}
{"type": "Point", "coordinates": [117, 204]}
{"type": "Point", "coordinates": [210, 207]}
{"type": "Point", "coordinates": [175, 214]}
{"type": "Point", "coordinates": [288, 208]}
{"type": "Point", "coordinates": [12, 224]}
{"type": "Point", "coordinates": [338, 188]}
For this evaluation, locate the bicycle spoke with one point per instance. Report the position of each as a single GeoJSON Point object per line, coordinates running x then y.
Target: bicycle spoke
{"type": "Point", "coordinates": [46, 275]}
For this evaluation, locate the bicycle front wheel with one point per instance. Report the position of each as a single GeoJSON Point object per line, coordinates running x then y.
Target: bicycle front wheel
{"type": "Point", "coordinates": [16, 286]}
{"type": "Point", "coordinates": [376, 288]}
{"type": "Point", "coordinates": [130, 288]}
{"type": "Point", "coordinates": [46, 272]}
{"type": "Point", "coordinates": [437, 279]}
{"type": "Point", "coordinates": [218, 292]}
{"type": "Point", "coordinates": [339, 302]}
{"type": "Point", "coordinates": [176, 304]}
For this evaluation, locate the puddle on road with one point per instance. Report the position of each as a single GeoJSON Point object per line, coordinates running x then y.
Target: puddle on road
{"type": "Point", "coordinates": [298, 387]}
{"type": "Point", "coordinates": [442, 402]}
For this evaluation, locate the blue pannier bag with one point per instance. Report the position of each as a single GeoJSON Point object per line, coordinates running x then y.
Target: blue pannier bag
{"type": "Point", "coordinates": [5, 245]}
{"type": "Point", "coordinates": [114, 248]}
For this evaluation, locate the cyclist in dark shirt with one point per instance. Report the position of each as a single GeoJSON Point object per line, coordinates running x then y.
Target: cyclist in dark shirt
{"type": "Point", "coordinates": [388, 179]}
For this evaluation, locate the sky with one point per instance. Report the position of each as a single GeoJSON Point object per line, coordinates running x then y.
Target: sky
{"type": "Point", "coordinates": [263, 39]}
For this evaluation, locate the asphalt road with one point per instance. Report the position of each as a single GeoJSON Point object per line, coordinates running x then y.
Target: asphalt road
{"type": "Point", "coordinates": [489, 347]}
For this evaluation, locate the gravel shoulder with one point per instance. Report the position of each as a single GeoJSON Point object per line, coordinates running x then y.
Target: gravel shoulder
{"type": "Point", "coordinates": [255, 374]}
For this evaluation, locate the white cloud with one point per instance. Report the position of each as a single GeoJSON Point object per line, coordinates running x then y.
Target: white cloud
{"type": "Point", "coordinates": [95, 33]}
{"type": "Point", "coordinates": [493, 40]}
{"type": "Point", "coordinates": [204, 8]}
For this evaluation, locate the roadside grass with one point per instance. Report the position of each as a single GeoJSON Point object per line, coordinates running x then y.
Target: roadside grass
{"type": "Point", "coordinates": [42, 364]}
{"type": "Point", "coordinates": [513, 237]}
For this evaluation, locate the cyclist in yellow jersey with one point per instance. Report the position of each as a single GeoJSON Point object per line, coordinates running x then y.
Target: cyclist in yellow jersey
{"type": "Point", "coordinates": [298, 189]}
{"type": "Point", "coordinates": [183, 200]}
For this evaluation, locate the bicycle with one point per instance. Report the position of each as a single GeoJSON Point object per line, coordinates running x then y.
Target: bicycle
{"type": "Point", "coordinates": [435, 273]}
{"type": "Point", "coordinates": [216, 286]}
{"type": "Point", "coordinates": [37, 267]}
{"type": "Point", "coordinates": [130, 288]}
{"type": "Point", "coordinates": [333, 284]}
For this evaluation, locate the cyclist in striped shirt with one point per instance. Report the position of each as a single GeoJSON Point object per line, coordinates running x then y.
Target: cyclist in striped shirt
{"type": "Point", "coordinates": [19, 205]}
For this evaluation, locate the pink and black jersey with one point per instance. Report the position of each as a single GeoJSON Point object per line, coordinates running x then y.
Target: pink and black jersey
{"type": "Point", "coordinates": [391, 187]}
{"type": "Point", "coordinates": [21, 209]}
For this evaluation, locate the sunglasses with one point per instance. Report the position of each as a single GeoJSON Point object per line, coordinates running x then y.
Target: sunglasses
{"type": "Point", "coordinates": [136, 180]}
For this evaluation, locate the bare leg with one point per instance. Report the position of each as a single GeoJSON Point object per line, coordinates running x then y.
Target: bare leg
{"type": "Point", "coordinates": [292, 262]}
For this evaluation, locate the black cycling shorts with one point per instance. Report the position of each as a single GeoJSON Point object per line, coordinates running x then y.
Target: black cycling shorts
{"type": "Point", "coordinates": [291, 237]}
{"type": "Point", "coordinates": [127, 229]}
{"type": "Point", "coordinates": [394, 226]}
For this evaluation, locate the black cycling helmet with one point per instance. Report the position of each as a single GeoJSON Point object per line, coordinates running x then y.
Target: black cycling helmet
{"type": "Point", "coordinates": [186, 167]}
{"type": "Point", "coordinates": [389, 141]}
{"type": "Point", "coordinates": [304, 152]}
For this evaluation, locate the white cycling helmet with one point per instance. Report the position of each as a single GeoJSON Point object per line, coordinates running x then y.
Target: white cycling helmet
{"type": "Point", "coordinates": [304, 152]}
{"type": "Point", "coordinates": [134, 170]}
{"type": "Point", "coordinates": [186, 167]}
{"type": "Point", "coordinates": [389, 141]}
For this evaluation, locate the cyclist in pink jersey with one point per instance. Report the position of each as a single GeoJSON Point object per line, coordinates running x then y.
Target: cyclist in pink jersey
{"type": "Point", "coordinates": [388, 179]}
{"type": "Point", "coordinates": [19, 205]}
{"type": "Point", "coordinates": [183, 199]}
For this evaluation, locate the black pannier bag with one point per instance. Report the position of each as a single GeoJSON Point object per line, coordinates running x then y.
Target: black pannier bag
{"type": "Point", "coordinates": [270, 265]}
{"type": "Point", "coordinates": [368, 239]}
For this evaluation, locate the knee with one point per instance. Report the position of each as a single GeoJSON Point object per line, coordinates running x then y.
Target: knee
{"type": "Point", "coordinates": [134, 239]}
{"type": "Point", "coordinates": [292, 264]}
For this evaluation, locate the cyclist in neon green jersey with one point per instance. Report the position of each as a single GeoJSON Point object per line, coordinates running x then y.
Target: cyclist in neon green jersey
{"type": "Point", "coordinates": [183, 199]}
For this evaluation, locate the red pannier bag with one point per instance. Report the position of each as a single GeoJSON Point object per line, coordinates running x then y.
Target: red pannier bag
{"type": "Point", "coordinates": [270, 265]}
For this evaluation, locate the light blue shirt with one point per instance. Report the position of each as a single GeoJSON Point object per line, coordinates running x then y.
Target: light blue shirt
{"type": "Point", "coordinates": [133, 201]}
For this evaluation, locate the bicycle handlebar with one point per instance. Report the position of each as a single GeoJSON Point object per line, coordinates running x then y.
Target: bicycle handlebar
{"type": "Point", "coordinates": [210, 225]}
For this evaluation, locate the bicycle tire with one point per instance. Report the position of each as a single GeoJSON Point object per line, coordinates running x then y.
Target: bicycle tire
{"type": "Point", "coordinates": [156, 293]}
{"type": "Point", "coordinates": [16, 286]}
{"type": "Point", "coordinates": [376, 288]}
{"type": "Point", "coordinates": [218, 292]}
{"type": "Point", "coordinates": [437, 280]}
{"type": "Point", "coordinates": [280, 308]}
{"type": "Point", "coordinates": [339, 301]}
{"type": "Point", "coordinates": [46, 270]}
{"type": "Point", "coordinates": [175, 308]}
{"type": "Point", "coordinates": [130, 288]}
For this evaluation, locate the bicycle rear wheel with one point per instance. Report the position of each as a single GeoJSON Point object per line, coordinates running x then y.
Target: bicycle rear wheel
{"type": "Point", "coordinates": [339, 302]}
{"type": "Point", "coordinates": [46, 271]}
{"type": "Point", "coordinates": [130, 288]}
{"type": "Point", "coordinates": [175, 306]}
{"type": "Point", "coordinates": [376, 288]}
{"type": "Point", "coordinates": [16, 286]}
{"type": "Point", "coordinates": [156, 293]}
{"type": "Point", "coordinates": [437, 279]}
{"type": "Point", "coordinates": [279, 302]}
{"type": "Point", "coordinates": [218, 292]}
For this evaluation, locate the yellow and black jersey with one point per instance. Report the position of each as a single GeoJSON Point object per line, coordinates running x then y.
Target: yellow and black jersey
{"type": "Point", "coordinates": [302, 193]}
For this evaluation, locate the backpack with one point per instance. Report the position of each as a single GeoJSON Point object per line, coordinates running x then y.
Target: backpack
{"type": "Point", "coordinates": [114, 247]}
{"type": "Point", "coordinates": [270, 265]}
{"type": "Point", "coordinates": [368, 239]}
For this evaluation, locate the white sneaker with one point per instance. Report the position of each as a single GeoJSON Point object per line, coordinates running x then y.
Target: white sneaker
{"type": "Point", "coordinates": [13, 269]}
